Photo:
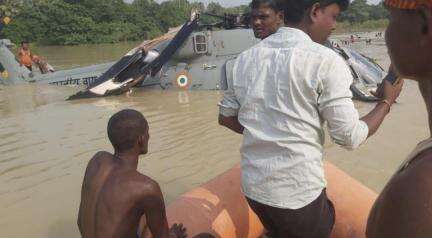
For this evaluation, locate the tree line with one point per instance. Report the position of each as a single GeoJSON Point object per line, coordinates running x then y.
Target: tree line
{"type": "Point", "coordinates": [71, 22]}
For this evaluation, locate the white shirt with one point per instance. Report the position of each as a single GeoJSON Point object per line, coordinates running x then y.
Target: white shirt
{"type": "Point", "coordinates": [283, 90]}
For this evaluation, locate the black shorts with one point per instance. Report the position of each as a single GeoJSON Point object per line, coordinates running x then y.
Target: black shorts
{"type": "Point", "coordinates": [315, 220]}
{"type": "Point", "coordinates": [29, 68]}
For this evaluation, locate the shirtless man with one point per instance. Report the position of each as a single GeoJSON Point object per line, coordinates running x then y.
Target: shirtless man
{"type": "Point", "coordinates": [115, 196]}
{"type": "Point", "coordinates": [404, 207]}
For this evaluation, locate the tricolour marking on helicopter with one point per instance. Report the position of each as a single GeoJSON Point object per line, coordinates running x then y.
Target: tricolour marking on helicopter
{"type": "Point", "coordinates": [183, 80]}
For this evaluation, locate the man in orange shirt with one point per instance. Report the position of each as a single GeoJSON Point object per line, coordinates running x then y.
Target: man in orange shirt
{"type": "Point", "coordinates": [25, 56]}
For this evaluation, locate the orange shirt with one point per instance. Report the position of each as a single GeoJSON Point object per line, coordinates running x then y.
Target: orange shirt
{"type": "Point", "coordinates": [25, 57]}
{"type": "Point", "coordinates": [408, 4]}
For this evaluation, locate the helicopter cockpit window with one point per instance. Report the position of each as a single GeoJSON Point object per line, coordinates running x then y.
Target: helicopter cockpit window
{"type": "Point", "coordinates": [200, 43]}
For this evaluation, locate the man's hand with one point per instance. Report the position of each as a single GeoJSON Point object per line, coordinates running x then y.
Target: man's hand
{"type": "Point", "coordinates": [231, 123]}
{"type": "Point", "coordinates": [391, 92]}
{"type": "Point", "coordinates": [178, 231]}
{"type": "Point", "coordinates": [389, 95]}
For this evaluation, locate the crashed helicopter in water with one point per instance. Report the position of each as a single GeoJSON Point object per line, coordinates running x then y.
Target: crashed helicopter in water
{"type": "Point", "coordinates": [93, 77]}
{"type": "Point", "coordinates": [197, 57]}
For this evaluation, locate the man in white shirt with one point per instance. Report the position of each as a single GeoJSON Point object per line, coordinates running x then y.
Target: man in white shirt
{"type": "Point", "coordinates": [283, 91]}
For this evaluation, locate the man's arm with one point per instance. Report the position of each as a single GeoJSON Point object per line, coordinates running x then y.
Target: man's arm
{"type": "Point", "coordinates": [80, 211]}
{"type": "Point", "coordinates": [337, 108]}
{"type": "Point", "coordinates": [425, 87]}
{"type": "Point", "coordinates": [89, 172]}
{"type": "Point", "coordinates": [231, 123]}
{"type": "Point", "coordinates": [229, 105]}
{"type": "Point", "coordinates": [154, 210]}
{"type": "Point", "coordinates": [375, 118]}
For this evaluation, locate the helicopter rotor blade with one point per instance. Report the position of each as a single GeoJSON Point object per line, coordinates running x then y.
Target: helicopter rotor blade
{"type": "Point", "coordinates": [156, 65]}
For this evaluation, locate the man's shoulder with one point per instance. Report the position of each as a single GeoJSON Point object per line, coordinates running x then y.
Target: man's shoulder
{"type": "Point", "coordinates": [403, 199]}
{"type": "Point", "coordinates": [100, 161]}
{"type": "Point", "coordinates": [252, 50]}
{"type": "Point", "coordinates": [325, 53]}
{"type": "Point", "coordinates": [415, 177]}
{"type": "Point", "coordinates": [143, 184]}
{"type": "Point", "coordinates": [420, 166]}
{"type": "Point", "coordinates": [100, 157]}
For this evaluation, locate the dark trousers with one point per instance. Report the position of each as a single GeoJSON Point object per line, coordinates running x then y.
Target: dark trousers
{"type": "Point", "coordinates": [315, 220]}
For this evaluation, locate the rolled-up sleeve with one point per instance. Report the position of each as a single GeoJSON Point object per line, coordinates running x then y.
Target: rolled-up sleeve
{"type": "Point", "coordinates": [337, 108]}
{"type": "Point", "coordinates": [229, 106]}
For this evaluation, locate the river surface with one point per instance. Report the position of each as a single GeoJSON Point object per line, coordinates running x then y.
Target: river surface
{"type": "Point", "coordinates": [62, 57]}
{"type": "Point", "coordinates": [46, 142]}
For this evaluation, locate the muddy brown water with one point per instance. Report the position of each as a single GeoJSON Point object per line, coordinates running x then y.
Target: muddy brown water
{"type": "Point", "coordinates": [46, 142]}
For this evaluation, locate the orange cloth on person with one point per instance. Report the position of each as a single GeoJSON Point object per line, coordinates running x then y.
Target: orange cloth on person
{"type": "Point", "coordinates": [25, 57]}
{"type": "Point", "coordinates": [408, 4]}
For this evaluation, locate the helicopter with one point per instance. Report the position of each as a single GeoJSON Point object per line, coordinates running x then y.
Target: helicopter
{"type": "Point", "coordinates": [196, 56]}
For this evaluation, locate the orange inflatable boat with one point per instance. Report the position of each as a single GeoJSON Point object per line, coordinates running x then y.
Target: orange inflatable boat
{"type": "Point", "coordinates": [218, 207]}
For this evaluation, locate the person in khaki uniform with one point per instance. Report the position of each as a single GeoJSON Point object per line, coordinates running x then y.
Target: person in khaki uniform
{"type": "Point", "coordinates": [404, 207]}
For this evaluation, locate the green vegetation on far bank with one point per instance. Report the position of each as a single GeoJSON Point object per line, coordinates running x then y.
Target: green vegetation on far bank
{"type": "Point", "coordinates": [72, 22]}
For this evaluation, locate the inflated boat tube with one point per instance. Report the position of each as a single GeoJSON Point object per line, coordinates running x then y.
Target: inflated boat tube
{"type": "Point", "coordinates": [352, 200]}
{"type": "Point", "coordinates": [218, 207]}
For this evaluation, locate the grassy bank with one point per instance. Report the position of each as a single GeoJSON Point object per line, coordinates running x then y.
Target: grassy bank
{"type": "Point", "coordinates": [371, 25]}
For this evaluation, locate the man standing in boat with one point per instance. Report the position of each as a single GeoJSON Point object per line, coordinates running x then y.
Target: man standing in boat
{"type": "Point", "coordinates": [283, 91]}
{"type": "Point", "coordinates": [403, 209]}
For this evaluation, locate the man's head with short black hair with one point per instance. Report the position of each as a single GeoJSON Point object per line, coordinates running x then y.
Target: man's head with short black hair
{"type": "Point", "coordinates": [128, 129]}
{"type": "Point", "coordinates": [266, 17]}
{"type": "Point", "coordinates": [316, 17]}
{"type": "Point", "coordinates": [296, 10]}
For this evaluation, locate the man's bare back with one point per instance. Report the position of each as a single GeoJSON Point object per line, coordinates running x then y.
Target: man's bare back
{"type": "Point", "coordinates": [114, 195]}
{"type": "Point", "coordinates": [114, 198]}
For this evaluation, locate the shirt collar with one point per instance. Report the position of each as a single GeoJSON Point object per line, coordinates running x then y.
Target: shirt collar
{"type": "Point", "coordinates": [294, 32]}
